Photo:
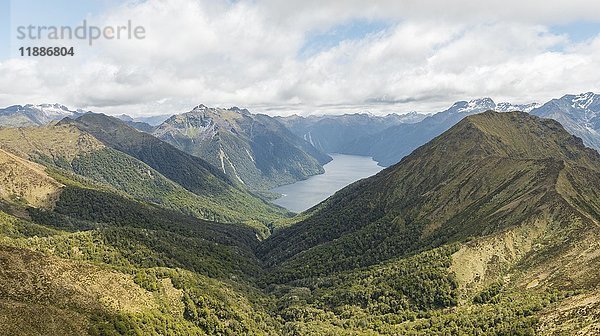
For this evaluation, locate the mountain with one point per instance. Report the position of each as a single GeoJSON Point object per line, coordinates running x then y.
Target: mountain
{"type": "Point", "coordinates": [113, 156]}
{"type": "Point", "coordinates": [579, 114]}
{"type": "Point", "coordinates": [88, 260]}
{"type": "Point", "coordinates": [252, 149]}
{"type": "Point", "coordinates": [34, 115]}
{"type": "Point", "coordinates": [500, 203]}
{"type": "Point", "coordinates": [390, 145]}
{"type": "Point", "coordinates": [496, 168]}
{"type": "Point", "coordinates": [489, 229]}
{"type": "Point", "coordinates": [331, 133]}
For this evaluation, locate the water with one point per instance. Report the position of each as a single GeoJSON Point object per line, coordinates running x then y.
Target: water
{"type": "Point", "coordinates": [340, 172]}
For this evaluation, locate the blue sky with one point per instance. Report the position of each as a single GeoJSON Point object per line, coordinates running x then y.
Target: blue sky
{"type": "Point", "coordinates": [14, 13]}
{"type": "Point", "coordinates": [318, 41]}
{"type": "Point", "coordinates": [4, 28]}
{"type": "Point", "coordinates": [578, 31]}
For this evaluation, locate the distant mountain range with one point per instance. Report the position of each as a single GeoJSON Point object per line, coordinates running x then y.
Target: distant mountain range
{"type": "Point", "coordinates": [35, 115]}
{"type": "Point", "coordinates": [385, 138]}
{"type": "Point", "coordinates": [331, 133]}
{"type": "Point", "coordinates": [253, 149]}
{"type": "Point", "coordinates": [151, 120]}
{"type": "Point", "coordinates": [579, 114]}
{"type": "Point", "coordinates": [393, 143]}
{"type": "Point", "coordinates": [389, 139]}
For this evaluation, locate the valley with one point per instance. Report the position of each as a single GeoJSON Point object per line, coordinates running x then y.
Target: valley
{"type": "Point", "coordinates": [300, 168]}
{"type": "Point", "coordinates": [490, 228]}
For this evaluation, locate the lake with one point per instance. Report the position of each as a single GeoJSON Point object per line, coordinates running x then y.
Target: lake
{"type": "Point", "coordinates": [340, 172]}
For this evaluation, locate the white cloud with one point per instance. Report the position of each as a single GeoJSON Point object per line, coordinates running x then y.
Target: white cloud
{"type": "Point", "coordinates": [246, 53]}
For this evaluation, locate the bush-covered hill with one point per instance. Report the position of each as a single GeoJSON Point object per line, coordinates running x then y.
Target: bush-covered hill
{"type": "Point", "coordinates": [192, 189]}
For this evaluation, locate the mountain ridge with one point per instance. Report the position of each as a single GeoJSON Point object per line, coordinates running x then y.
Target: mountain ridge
{"type": "Point", "coordinates": [579, 114]}
{"type": "Point", "coordinates": [252, 149]}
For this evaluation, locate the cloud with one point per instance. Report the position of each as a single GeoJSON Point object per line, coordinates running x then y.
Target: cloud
{"type": "Point", "coordinates": [248, 53]}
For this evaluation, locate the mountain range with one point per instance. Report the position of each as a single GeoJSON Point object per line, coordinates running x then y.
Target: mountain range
{"type": "Point", "coordinates": [34, 115]}
{"type": "Point", "coordinates": [389, 139]}
{"type": "Point", "coordinates": [331, 133]}
{"type": "Point", "coordinates": [491, 228]}
{"type": "Point", "coordinates": [105, 153]}
{"type": "Point", "coordinates": [385, 138]}
{"type": "Point", "coordinates": [579, 114]}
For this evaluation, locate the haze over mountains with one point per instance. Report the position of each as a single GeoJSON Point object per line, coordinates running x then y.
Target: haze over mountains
{"type": "Point", "coordinates": [490, 228]}
{"type": "Point", "coordinates": [389, 139]}
{"type": "Point", "coordinates": [330, 134]}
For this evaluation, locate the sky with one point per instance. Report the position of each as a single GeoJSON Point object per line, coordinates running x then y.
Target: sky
{"type": "Point", "coordinates": [303, 56]}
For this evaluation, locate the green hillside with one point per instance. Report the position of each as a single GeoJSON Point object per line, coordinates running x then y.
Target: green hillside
{"type": "Point", "coordinates": [490, 229]}
{"type": "Point", "coordinates": [482, 176]}
{"type": "Point", "coordinates": [193, 188]}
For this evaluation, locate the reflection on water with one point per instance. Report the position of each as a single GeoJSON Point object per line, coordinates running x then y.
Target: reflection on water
{"type": "Point", "coordinates": [340, 172]}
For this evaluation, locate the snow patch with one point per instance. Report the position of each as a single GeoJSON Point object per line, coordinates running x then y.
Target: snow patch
{"type": "Point", "coordinates": [250, 155]}
{"type": "Point", "coordinates": [222, 157]}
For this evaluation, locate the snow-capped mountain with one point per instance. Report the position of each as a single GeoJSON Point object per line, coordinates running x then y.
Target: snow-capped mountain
{"type": "Point", "coordinates": [579, 114]}
{"type": "Point", "coordinates": [410, 117]}
{"type": "Point", "coordinates": [485, 104]}
{"type": "Point", "coordinates": [508, 107]}
{"type": "Point", "coordinates": [35, 115]}
{"type": "Point", "coordinates": [474, 105]}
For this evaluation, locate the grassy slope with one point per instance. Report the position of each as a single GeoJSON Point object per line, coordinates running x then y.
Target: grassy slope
{"type": "Point", "coordinates": [105, 167]}
{"type": "Point", "coordinates": [25, 182]}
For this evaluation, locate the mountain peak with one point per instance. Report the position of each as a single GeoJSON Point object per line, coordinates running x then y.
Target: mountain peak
{"type": "Point", "coordinates": [480, 103]}
{"type": "Point", "coordinates": [34, 115]}
{"type": "Point", "coordinates": [473, 106]}
{"type": "Point", "coordinates": [200, 107]}
{"type": "Point", "coordinates": [509, 107]}
{"type": "Point", "coordinates": [239, 110]}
